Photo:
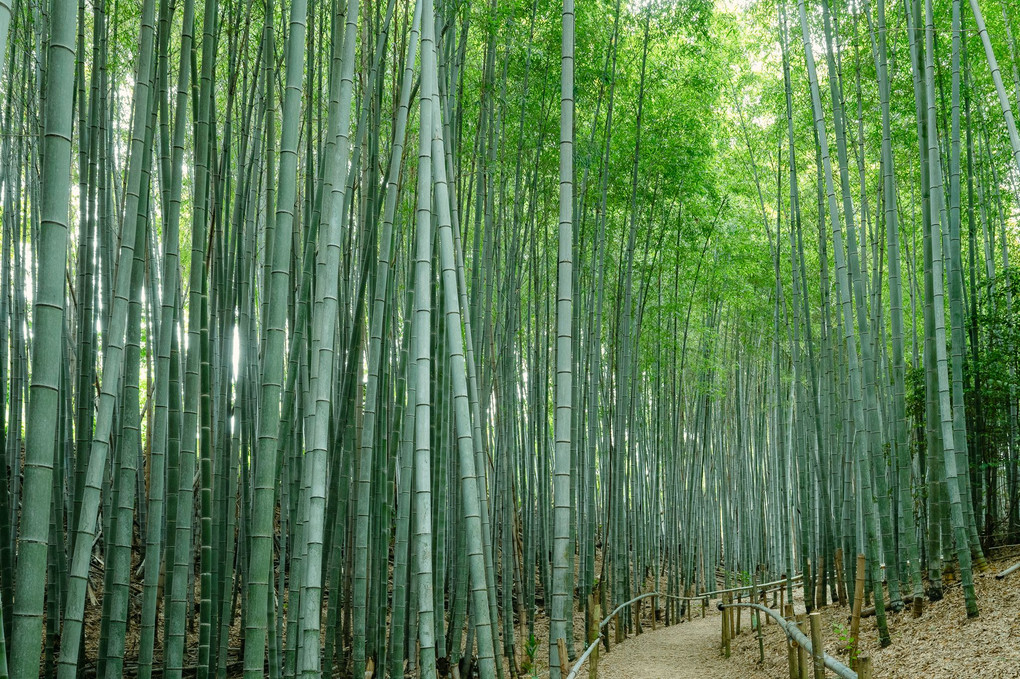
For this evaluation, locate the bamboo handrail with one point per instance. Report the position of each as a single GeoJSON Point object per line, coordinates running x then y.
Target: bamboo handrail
{"type": "Point", "coordinates": [705, 595]}
{"type": "Point", "coordinates": [1014, 567]}
{"type": "Point", "coordinates": [591, 647]}
{"type": "Point", "coordinates": [796, 635]}
{"type": "Point", "coordinates": [767, 585]}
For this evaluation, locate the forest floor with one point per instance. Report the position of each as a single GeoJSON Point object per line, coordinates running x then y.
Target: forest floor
{"type": "Point", "coordinates": [941, 644]}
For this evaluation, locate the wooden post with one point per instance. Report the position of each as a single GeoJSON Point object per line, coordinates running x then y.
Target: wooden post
{"type": "Point", "coordinates": [740, 599]}
{"type": "Point", "coordinates": [704, 605]}
{"type": "Point", "coordinates": [817, 644]}
{"type": "Point", "coordinates": [762, 596]}
{"type": "Point", "coordinates": [802, 661]}
{"type": "Point", "coordinates": [561, 651]}
{"type": "Point", "coordinates": [791, 647]}
{"type": "Point", "coordinates": [593, 635]}
{"type": "Point", "coordinates": [840, 582]}
{"type": "Point", "coordinates": [729, 617]}
{"type": "Point", "coordinates": [724, 638]}
{"type": "Point", "coordinates": [733, 622]}
{"type": "Point", "coordinates": [864, 670]}
{"type": "Point", "coordinates": [855, 618]}
{"type": "Point", "coordinates": [761, 640]}
{"type": "Point", "coordinates": [603, 604]}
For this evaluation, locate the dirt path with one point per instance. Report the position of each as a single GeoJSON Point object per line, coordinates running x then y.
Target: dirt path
{"type": "Point", "coordinates": [688, 650]}
{"type": "Point", "coordinates": [942, 644]}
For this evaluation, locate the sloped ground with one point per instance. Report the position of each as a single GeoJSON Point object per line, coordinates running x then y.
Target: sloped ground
{"type": "Point", "coordinates": [942, 644]}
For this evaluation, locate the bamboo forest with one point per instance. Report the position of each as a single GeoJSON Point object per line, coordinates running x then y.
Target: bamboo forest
{"type": "Point", "coordinates": [481, 338]}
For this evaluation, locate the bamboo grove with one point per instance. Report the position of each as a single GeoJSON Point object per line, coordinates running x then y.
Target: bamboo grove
{"type": "Point", "coordinates": [389, 336]}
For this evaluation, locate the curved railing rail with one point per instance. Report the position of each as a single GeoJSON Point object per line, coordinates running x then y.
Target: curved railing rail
{"type": "Point", "coordinates": [796, 635]}
{"type": "Point", "coordinates": [588, 651]}
{"type": "Point", "coordinates": [591, 647]}
{"type": "Point", "coordinates": [765, 587]}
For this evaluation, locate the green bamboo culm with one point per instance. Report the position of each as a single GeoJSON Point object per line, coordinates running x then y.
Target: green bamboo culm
{"type": "Point", "coordinates": [421, 546]}
{"type": "Point", "coordinates": [272, 375]}
{"type": "Point", "coordinates": [48, 323]}
{"type": "Point", "coordinates": [562, 516]}
{"type": "Point", "coordinates": [960, 535]}
{"type": "Point", "coordinates": [275, 398]}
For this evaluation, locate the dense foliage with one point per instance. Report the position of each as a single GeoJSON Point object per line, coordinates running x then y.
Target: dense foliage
{"type": "Point", "coordinates": [361, 336]}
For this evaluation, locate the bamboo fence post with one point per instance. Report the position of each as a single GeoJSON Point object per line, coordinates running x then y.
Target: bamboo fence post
{"type": "Point", "coordinates": [817, 647]}
{"type": "Point", "coordinates": [757, 617]}
{"type": "Point", "coordinates": [740, 599]}
{"type": "Point", "coordinates": [761, 641]}
{"type": "Point", "coordinates": [855, 618]}
{"type": "Point", "coordinates": [561, 651]}
{"type": "Point", "coordinates": [802, 661]}
{"type": "Point", "coordinates": [763, 595]}
{"type": "Point", "coordinates": [791, 647]}
{"type": "Point", "coordinates": [722, 631]}
{"type": "Point", "coordinates": [725, 632]}
{"type": "Point", "coordinates": [704, 605]}
{"type": "Point", "coordinates": [733, 622]}
{"type": "Point", "coordinates": [864, 670]}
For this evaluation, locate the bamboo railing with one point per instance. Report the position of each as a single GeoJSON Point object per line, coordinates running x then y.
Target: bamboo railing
{"type": "Point", "coordinates": [812, 647]}
{"type": "Point", "coordinates": [704, 597]}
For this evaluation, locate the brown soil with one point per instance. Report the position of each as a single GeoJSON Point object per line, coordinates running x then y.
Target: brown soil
{"type": "Point", "coordinates": [688, 650]}
{"type": "Point", "coordinates": [941, 644]}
